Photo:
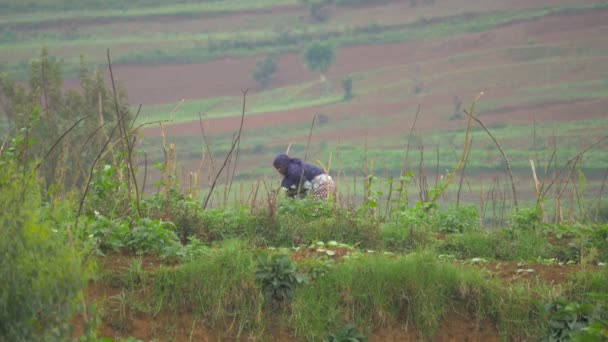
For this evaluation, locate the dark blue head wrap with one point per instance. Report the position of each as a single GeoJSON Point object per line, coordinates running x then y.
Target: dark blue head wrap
{"type": "Point", "coordinates": [282, 160]}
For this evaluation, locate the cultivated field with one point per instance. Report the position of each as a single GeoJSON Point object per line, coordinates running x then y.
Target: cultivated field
{"type": "Point", "coordinates": [404, 252]}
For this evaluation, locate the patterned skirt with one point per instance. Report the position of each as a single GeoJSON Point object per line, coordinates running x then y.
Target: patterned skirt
{"type": "Point", "coordinates": [323, 187]}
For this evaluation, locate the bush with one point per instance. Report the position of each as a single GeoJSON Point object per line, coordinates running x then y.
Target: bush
{"type": "Point", "coordinates": [264, 69]}
{"type": "Point", "coordinates": [40, 272]}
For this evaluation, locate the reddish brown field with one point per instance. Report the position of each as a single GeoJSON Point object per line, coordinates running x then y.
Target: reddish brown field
{"type": "Point", "coordinates": [388, 64]}
{"type": "Point", "coordinates": [462, 65]}
{"type": "Point", "coordinates": [456, 326]}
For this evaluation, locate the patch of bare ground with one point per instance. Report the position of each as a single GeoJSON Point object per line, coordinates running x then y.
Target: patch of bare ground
{"type": "Point", "coordinates": [512, 271]}
{"type": "Point", "coordinates": [185, 326]}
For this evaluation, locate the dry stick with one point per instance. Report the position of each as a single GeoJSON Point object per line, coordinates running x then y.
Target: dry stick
{"type": "Point", "coordinates": [464, 168]}
{"type": "Point", "coordinates": [365, 173]}
{"type": "Point", "coordinates": [234, 142]}
{"type": "Point", "coordinates": [59, 140]}
{"type": "Point", "coordinates": [599, 202]}
{"type": "Point", "coordinates": [200, 118]}
{"type": "Point", "coordinates": [388, 200]}
{"type": "Point", "coordinates": [483, 205]}
{"type": "Point", "coordinates": [125, 133]}
{"type": "Point", "coordinates": [437, 165]}
{"type": "Point", "coordinates": [571, 160]}
{"type": "Point", "coordinates": [90, 177]}
{"type": "Point", "coordinates": [407, 152]}
{"type": "Point", "coordinates": [238, 145]}
{"type": "Point", "coordinates": [502, 152]}
{"type": "Point", "coordinates": [422, 186]}
{"type": "Point", "coordinates": [143, 186]}
{"type": "Point", "coordinates": [538, 187]}
{"type": "Point", "coordinates": [559, 214]}
{"type": "Point", "coordinates": [312, 125]}
{"type": "Point", "coordinates": [534, 137]}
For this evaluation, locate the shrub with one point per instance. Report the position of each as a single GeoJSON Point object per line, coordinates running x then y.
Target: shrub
{"type": "Point", "coordinates": [278, 277]}
{"type": "Point", "coordinates": [40, 273]}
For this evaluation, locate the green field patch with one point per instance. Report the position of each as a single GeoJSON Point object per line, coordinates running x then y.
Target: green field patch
{"type": "Point", "coordinates": [267, 102]}
{"type": "Point", "coordinates": [136, 11]}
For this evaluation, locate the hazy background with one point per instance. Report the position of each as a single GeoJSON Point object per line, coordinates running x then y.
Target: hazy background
{"type": "Point", "coordinates": [542, 66]}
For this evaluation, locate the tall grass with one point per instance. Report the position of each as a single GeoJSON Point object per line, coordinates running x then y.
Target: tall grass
{"type": "Point", "coordinates": [415, 290]}
{"type": "Point", "coordinates": [220, 286]}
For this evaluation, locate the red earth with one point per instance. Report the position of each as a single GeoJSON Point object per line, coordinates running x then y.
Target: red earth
{"type": "Point", "coordinates": [227, 77]}
{"type": "Point", "coordinates": [391, 69]}
{"type": "Point", "coordinates": [456, 326]}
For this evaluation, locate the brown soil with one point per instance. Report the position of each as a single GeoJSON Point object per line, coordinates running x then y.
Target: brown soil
{"type": "Point", "coordinates": [455, 327]}
{"type": "Point", "coordinates": [393, 113]}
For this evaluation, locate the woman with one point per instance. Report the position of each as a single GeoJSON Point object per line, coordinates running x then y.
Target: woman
{"type": "Point", "coordinates": [299, 177]}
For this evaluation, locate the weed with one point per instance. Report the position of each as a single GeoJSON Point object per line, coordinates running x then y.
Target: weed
{"type": "Point", "coordinates": [567, 319]}
{"type": "Point", "coordinates": [347, 333]}
{"type": "Point", "coordinates": [278, 277]}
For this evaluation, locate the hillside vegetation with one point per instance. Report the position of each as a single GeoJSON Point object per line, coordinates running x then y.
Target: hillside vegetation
{"type": "Point", "coordinates": [467, 139]}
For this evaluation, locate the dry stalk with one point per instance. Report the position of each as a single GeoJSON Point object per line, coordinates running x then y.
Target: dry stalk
{"type": "Point", "coordinates": [464, 168]}
{"type": "Point", "coordinates": [402, 185]}
{"type": "Point", "coordinates": [234, 142]}
{"type": "Point", "coordinates": [238, 144]}
{"type": "Point", "coordinates": [502, 152]}
{"type": "Point", "coordinates": [465, 148]}
{"type": "Point", "coordinates": [128, 149]}
{"type": "Point", "coordinates": [58, 141]}
{"type": "Point", "coordinates": [558, 174]}
{"type": "Point", "coordinates": [599, 202]}
{"type": "Point", "coordinates": [538, 186]}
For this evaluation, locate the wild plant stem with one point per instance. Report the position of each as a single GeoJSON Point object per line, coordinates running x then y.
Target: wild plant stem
{"type": "Point", "coordinates": [234, 143]}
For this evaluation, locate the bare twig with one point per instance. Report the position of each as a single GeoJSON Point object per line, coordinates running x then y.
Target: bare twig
{"type": "Point", "coordinates": [59, 140]}
{"type": "Point", "coordinates": [464, 168]}
{"type": "Point", "coordinates": [597, 142]}
{"type": "Point", "coordinates": [208, 146]}
{"type": "Point", "coordinates": [599, 202]}
{"type": "Point", "coordinates": [409, 139]}
{"type": "Point", "coordinates": [238, 145]}
{"type": "Point", "coordinates": [312, 125]}
{"type": "Point", "coordinates": [234, 142]}
{"type": "Point", "coordinates": [465, 148]}
{"type": "Point", "coordinates": [128, 149]}
{"type": "Point", "coordinates": [90, 177]}
{"type": "Point", "coordinates": [502, 152]}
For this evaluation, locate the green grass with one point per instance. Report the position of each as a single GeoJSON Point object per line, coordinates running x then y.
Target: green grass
{"type": "Point", "coordinates": [169, 47]}
{"type": "Point", "coordinates": [186, 9]}
{"type": "Point", "coordinates": [288, 98]}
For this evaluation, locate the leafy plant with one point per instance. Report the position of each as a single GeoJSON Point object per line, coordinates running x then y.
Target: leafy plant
{"type": "Point", "coordinates": [456, 219]}
{"type": "Point", "coordinates": [526, 218]}
{"type": "Point", "coordinates": [151, 235]}
{"type": "Point", "coordinates": [264, 69]}
{"type": "Point", "coordinates": [347, 333]}
{"type": "Point", "coordinates": [278, 277]}
{"type": "Point", "coordinates": [347, 85]}
{"type": "Point", "coordinates": [568, 319]}
{"type": "Point", "coordinates": [40, 270]}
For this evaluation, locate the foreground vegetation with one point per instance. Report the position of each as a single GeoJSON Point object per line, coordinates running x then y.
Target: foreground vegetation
{"type": "Point", "coordinates": [89, 255]}
{"type": "Point", "coordinates": [311, 270]}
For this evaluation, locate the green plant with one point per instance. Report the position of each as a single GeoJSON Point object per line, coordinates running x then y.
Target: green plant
{"type": "Point", "coordinates": [151, 235]}
{"type": "Point", "coordinates": [40, 268]}
{"type": "Point", "coordinates": [347, 85]}
{"type": "Point", "coordinates": [347, 333]}
{"type": "Point", "coordinates": [264, 69]}
{"type": "Point", "coordinates": [317, 267]}
{"type": "Point", "coordinates": [526, 218]}
{"type": "Point", "coordinates": [318, 57]}
{"type": "Point", "coordinates": [456, 219]}
{"type": "Point", "coordinates": [568, 319]}
{"type": "Point", "coordinates": [278, 277]}
{"type": "Point", "coordinates": [106, 234]}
